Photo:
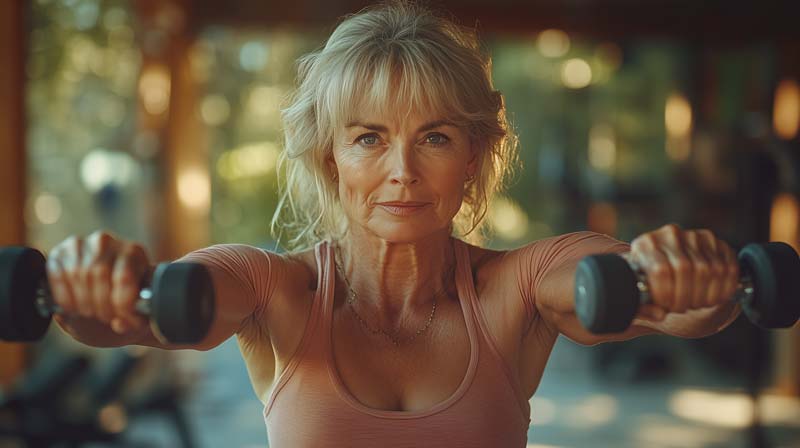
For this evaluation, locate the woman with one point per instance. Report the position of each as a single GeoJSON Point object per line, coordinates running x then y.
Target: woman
{"type": "Point", "coordinates": [389, 328]}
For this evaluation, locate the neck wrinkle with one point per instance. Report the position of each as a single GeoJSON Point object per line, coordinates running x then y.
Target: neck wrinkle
{"type": "Point", "coordinates": [397, 283]}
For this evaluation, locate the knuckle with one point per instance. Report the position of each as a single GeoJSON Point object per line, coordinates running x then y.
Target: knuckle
{"type": "Point", "coordinates": [73, 242]}
{"type": "Point", "coordinates": [719, 270]}
{"type": "Point", "coordinates": [702, 269]}
{"type": "Point", "coordinates": [102, 240]}
{"type": "Point", "coordinates": [100, 271]}
{"type": "Point", "coordinates": [124, 275]}
{"type": "Point", "coordinates": [705, 233]}
{"type": "Point", "coordinates": [683, 266]}
{"type": "Point", "coordinates": [671, 229]}
{"type": "Point", "coordinates": [134, 252]}
{"type": "Point", "coordinates": [661, 271]}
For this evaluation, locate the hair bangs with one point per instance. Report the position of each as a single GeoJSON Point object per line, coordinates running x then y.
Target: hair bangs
{"type": "Point", "coordinates": [395, 83]}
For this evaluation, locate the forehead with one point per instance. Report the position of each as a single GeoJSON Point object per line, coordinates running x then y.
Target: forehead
{"type": "Point", "coordinates": [400, 118]}
{"type": "Point", "coordinates": [392, 94]}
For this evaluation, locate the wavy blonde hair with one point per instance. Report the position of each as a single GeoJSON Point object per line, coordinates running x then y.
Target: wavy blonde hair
{"type": "Point", "coordinates": [390, 54]}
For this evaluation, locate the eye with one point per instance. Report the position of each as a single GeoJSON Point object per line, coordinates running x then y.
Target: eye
{"type": "Point", "coordinates": [368, 139]}
{"type": "Point", "coordinates": [436, 139]}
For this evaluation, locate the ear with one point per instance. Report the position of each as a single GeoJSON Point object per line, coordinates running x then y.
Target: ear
{"type": "Point", "coordinates": [331, 163]}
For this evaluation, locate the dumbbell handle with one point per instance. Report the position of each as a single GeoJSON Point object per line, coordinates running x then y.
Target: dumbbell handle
{"type": "Point", "coordinates": [46, 306]}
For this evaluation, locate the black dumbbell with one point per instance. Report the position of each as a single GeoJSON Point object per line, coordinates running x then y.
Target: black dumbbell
{"type": "Point", "coordinates": [608, 290]}
{"type": "Point", "coordinates": [180, 302]}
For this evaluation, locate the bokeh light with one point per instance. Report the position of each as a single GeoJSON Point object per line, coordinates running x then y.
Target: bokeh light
{"type": "Point", "coordinates": [194, 189]}
{"type": "Point", "coordinates": [786, 109]}
{"type": "Point", "coordinates": [576, 73]}
{"type": "Point", "coordinates": [508, 219]}
{"type": "Point", "coordinates": [154, 88]}
{"type": "Point", "coordinates": [47, 208]}
{"type": "Point", "coordinates": [553, 43]}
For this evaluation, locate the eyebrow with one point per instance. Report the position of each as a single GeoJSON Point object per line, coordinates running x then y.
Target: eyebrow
{"type": "Point", "coordinates": [381, 128]}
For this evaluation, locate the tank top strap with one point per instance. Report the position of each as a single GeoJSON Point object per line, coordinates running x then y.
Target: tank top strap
{"type": "Point", "coordinates": [466, 289]}
{"type": "Point", "coordinates": [464, 280]}
{"type": "Point", "coordinates": [313, 338]}
{"type": "Point", "coordinates": [326, 283]}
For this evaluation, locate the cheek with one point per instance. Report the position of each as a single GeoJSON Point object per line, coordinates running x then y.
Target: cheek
{"type": "Point", "coordinates": [450, 188]}
{"type": "Point", "coordinates": [355, 189]}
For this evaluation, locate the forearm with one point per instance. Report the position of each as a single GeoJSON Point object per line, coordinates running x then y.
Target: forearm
{"type": "Point", "coordinates": [696, 323]}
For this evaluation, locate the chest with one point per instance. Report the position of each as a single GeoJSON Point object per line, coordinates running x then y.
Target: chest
{"type": "Point", "coordinates": [408, 377]}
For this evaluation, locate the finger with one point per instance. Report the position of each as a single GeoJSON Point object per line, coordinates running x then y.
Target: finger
{"type": "Point", "coordinates": [119, 325]}
{"type": "Point", "coordinates": [59, 285]}
{"type": "Point", "coordinates": [125, 279]}
{"type": "Point", "coordinates": [656, 268]}
{"type": "Point", "coordinates": [72, 263]}
{"type": "Point", "coordinates": [682, 269]}
{"type": "Point", "coordinates": [707, 282]}
{"type": "Point", "coordinates": [731, 282]}
{"type": "Point", "coordinates": [99, 270]}
{"type": "Point", "coordinates": [651, 312]}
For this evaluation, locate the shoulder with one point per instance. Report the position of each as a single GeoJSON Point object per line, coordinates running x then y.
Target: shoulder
{"type": "Point", "coordinates": [268, 273]}
{"type": "Point", "coordinates": [489, 263]}
{"type": "Point", "coordinates": [552, 250]}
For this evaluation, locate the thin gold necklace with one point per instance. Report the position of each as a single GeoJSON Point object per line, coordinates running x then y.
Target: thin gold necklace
{"type": "Point", "coordinates": [351, 298]}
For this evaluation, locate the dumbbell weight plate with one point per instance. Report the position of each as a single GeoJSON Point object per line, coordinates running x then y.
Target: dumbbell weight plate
{"type": "Point", "coordinates": [774, 269]}
{"type": "Point", "coordinates": [183, 302]}
{"type": "Point", "coordinates": [606, 296]}
{"type": "Point", "coordinates": [21, 271]}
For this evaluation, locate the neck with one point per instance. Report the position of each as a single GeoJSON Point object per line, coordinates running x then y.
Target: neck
{"type": "Point", "coordinates": [397, 282]}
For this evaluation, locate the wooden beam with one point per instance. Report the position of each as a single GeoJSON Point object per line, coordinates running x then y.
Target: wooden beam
{"type": "Point", "coordinates": [12, 154]}
{"type": "Point", "coordinates": [709, 20]}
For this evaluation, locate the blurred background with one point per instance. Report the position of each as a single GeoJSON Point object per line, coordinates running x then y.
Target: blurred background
{"type": "Point", "coordinates": [159, 121]}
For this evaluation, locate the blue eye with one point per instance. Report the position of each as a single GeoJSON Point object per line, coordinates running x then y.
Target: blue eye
{"type": "Point", "coordinates": [437, 139]}
{"type": "Point", "coordinates": [368, 139]}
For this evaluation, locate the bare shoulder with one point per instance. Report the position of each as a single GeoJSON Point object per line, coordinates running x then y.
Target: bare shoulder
{"type": "Point", "coordinates": [291, 303]}
{"type": "Point", "coordinates": [497, 278]}
{"type": "Point", "coordinates": [503, 279]}
{"type": "Point", "coordinates": [523, 338]}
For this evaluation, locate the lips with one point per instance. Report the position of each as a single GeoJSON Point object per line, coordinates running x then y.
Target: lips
{"type": "Point", "coordinates": [401, 208]}
{"type": "Point", "coordinates": [402, 204]}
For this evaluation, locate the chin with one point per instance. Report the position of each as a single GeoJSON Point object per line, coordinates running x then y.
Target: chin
{"type": "Point", "coordinates": [401, 233]}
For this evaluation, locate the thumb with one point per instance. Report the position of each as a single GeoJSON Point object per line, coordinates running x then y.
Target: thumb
{"type": "Point", "coordinates": [651, 312]}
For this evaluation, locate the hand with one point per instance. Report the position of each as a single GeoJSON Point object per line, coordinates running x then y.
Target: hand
{"type": "Point", "coordinates": [685, 269]}
{"type": "Point", "coordinates": [98, 278]}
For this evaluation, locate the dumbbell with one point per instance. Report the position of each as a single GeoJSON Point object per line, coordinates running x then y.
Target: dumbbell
{"type": "Point", "coordinates": [608, 290]}
{"type": "Point", "coordinates": [180, 299]}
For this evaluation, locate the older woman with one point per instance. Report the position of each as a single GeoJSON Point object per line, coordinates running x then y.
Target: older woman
{"type": "Point", "coordinates": [385, 326]}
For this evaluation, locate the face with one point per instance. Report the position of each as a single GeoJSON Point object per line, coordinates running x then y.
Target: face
{"type": "Point", "coordinates": [401, 180]}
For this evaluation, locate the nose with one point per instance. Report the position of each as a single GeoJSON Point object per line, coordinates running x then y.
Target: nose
{"type": "Point", "coordinates": [402, 168]}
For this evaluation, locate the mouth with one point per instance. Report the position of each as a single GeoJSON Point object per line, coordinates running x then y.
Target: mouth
{"type": "Point", "coordinates": [398, 208]}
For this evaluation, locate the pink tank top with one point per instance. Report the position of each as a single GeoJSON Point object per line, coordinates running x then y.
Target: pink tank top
{"type": "Point", "coordinates": [310, 406]}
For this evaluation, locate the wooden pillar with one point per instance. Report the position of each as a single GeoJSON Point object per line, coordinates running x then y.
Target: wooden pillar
{"type": "Point", "coordinates": [12, 153]}
{"type": "Point", "coordinates": [182, 220]}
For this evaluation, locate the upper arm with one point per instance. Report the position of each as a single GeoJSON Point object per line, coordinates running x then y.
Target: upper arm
{"type": "Point", "coordinates": [244, 279]}
{"type": "Point", "coordinates": [547, 272]}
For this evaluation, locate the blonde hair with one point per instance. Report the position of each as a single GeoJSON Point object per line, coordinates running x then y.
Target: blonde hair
{"type": "Point", "coordinates": [395, 53]}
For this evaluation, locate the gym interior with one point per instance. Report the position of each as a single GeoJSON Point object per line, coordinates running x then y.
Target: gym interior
{"type": "Point", "coordinates": [160, 121]}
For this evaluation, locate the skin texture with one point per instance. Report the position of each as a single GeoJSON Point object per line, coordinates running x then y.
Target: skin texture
{"type": "Point", "coordinates": [378, 158]}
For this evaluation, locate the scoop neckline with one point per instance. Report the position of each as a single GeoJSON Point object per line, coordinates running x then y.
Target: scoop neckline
{"type": "Point", "coordinates": [466, 381]}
